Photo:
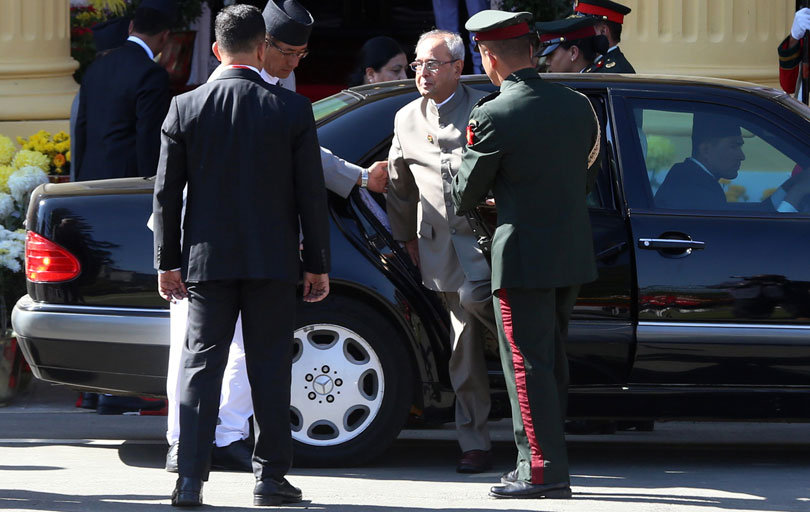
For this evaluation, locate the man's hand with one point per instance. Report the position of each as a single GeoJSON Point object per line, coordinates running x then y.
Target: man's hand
{"type": "Point", "coordinates": [412, 246]}
{"type": "Point", "coordinates": [171, 286]}
{"type": "Point", "coordinates": [378, 177]}
{"type": "Point", "coordinates": [798, 187]}
{"type": "Point", "coordinates": [316, 287]}
{"type": "Point", "coordinates": [801, 24]}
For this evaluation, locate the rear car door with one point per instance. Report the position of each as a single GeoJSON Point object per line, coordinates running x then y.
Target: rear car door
{"type": "Point", "coordinates": [600, 344]}
{"type": "Point", "coordinates": [723, 290]}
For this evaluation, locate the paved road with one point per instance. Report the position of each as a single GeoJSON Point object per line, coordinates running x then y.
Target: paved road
{"type": "Point", "coordinates": [56, 457]}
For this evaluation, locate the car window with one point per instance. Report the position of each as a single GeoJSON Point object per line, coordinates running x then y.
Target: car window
{"type": "Point", "coordinates": [700, 156]}
{"type": "Point", "coordinates": [324, 108]}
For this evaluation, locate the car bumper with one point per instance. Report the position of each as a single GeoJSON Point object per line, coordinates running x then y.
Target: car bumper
{"type": "Point", "coordinates": [111, 350]}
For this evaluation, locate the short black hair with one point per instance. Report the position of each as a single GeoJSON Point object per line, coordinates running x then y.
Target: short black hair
{"type": "Point", "coordinates": [238, 27]}
{"type": "Point", "coordinates": [509, 49]}
{"type": "Point", "coordinates": [615, 30]}
{"type": "Point", "coordinates": [150, 21]}
{"type": "Point", "coordinates": [375, 53]}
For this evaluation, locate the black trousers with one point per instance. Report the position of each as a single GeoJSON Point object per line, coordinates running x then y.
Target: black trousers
{"type": "Point", "coordinates": [533, 330]}
{"type": "Point", "coordinates": [268, 322]}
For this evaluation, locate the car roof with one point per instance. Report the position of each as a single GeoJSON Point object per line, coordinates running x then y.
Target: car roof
{"type": "Point", "coordinates": [594, 80]}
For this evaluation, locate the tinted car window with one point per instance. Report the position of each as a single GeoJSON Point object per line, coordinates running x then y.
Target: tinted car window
{"type": "Point", "coordinates": [707, 157]}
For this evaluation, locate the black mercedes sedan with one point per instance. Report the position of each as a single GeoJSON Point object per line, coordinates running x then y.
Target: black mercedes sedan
{"type": "Point", "coordinates": [698, 312]}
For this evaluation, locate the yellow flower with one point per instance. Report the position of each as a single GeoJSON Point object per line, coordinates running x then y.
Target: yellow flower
{"type": "Point", "coordinates": [67, 155]}
{"type": "Point", "coordinates": [60, 137]}
{"type": "Point", "coordinates": [7, 150]}
{"type": "Point", "coordinates": [26, 157]}
{"type": "Point", "coordinates": [116, 6]}
{"type": "Point", "coordinates": [5, 172]}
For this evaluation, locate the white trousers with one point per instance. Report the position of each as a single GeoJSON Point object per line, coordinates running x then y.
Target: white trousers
{"type": "Point", "coordinates": [235, 404]}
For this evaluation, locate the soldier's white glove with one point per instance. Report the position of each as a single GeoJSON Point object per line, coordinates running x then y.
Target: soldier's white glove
{"type": "Point", "coordinates": [801, 23]}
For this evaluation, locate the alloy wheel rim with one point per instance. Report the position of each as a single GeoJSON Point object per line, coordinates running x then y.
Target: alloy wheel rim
{"type": "Point", "coordinates": [337, 385]}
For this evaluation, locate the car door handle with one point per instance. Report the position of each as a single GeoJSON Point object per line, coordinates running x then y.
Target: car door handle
{"type": "Point", "coordinates": [669, 243]}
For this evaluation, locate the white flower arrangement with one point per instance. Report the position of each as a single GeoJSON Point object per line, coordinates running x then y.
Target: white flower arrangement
{"type": "Point", "coordinates": [7, 205]}
{"type": "Point", "coordinates": [13, 206]}
{"type": "Point", "coordinates": [12, 249]}
{"type": "Point", "coordinates": [23, 181]}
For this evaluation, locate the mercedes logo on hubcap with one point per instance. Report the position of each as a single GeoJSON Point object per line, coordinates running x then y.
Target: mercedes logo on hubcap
{"type": "Point", "coordinates": [323, 384]}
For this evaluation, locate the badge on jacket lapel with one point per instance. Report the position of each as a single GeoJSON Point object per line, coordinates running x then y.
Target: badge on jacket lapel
{"type": "Point", "coordinates": [610, 65]}
{"type": "Point", "coordinates": [430, 138]}
{"type": "Point", "coordinates": [471, 132]}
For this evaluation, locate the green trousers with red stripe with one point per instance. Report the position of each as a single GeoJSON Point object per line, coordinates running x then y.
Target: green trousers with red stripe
{"type": "Point", "coordinates": [532, 331]}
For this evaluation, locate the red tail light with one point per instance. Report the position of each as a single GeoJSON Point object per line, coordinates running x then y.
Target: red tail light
{"type": "Point", "coordinates": [48, 262]}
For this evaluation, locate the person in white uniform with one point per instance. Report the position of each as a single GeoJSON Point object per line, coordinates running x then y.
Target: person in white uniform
{"type": "Point", "coordinates": [288, 28]}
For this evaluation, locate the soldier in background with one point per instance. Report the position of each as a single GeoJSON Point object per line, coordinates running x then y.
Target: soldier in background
{"type": "Point", "coordinates": [611, 16]}
{"type": "Point", "coordinates": [570, 45]}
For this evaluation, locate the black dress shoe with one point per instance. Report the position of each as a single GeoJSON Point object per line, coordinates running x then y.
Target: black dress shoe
{"type": "Point", "coordinates": [171, 458]}
{"type": "Point", "coordinates": [269, 492]}
{"type": "Point", "coordinates": [474, 461]}
{"type": "Point", "coordinates": [525, 490]}
{"type": "Point", "coordinates": [237, 456]}
{"type": "Point", "coordinates": [187, 492]}
{"type": "Point", "coordinates": [510, 477]}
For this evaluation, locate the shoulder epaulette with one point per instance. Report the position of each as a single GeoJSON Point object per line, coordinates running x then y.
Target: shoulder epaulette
{"type": "Point", "coordinates": [488, 97]}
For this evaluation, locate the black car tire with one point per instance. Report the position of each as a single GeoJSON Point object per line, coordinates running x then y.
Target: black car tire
{"type": "Point", "coordinates": [374, 411]}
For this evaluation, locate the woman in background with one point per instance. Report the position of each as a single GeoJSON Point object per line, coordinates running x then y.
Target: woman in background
{"type": "Point", "coordinates": [381, 59]}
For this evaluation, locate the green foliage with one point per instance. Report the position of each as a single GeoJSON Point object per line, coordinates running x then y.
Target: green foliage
{"type": "Point", "coordinates": [543, 10]}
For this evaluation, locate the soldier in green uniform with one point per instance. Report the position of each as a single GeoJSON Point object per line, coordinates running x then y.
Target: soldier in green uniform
{"type": "Point", "coordinates": [532, 144]}
{"type": "Point", "coordinates": [570, 45]}
{"type": "Point", "coordinates": [611, 16]}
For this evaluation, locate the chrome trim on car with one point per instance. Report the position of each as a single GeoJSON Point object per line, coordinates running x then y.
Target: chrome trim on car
{"type": "Point", "coordinates": [137, 326]}
{"type": "Point", "coordinates": [720, 333]}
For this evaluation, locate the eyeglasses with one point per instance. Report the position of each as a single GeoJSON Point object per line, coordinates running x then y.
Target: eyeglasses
{"type": "Point", "coordinates": [430, 65]}
{"type": "Point", "coordinates": [286, 53]}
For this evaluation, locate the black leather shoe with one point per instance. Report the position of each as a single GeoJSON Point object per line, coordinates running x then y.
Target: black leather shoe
{"type": "Point", "coordinates": [187, 492]}
{"type": "Point", "coordinates": [474, 461]}
{"type": "Point", "coordinates": [510, 477]}
{"type": "Point", "coordinates": [269, 492]}
{"type": "Point", "coordinates": [525, 490]}
{"type": "Point", "coordinates": [171, 458]}
{"type": "Point", "coordinates": [237, 456]}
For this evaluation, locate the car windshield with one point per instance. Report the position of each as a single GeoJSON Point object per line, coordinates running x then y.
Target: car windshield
{"type": "Point", "coordinates": [335, 103]}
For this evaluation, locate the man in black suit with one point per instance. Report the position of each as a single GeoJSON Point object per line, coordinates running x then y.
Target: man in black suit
{"type": "Point", "coordinates": [123, 100]}
{"type": "Point", "coordinates": [250, 150]}
{"type": "Point", "coordinates": [717, 153]}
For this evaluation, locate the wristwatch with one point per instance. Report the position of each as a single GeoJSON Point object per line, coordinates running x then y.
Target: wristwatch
{"type": "Point", "coordinates": [364, 178]}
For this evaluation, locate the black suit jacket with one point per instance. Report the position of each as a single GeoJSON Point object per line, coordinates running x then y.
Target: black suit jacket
{"type": "Point", "coordinates": [687, 186]}
{"type": "Point", "coordinates": [123, 100]}
{"type": "Point", "coordinates": [249, 153]}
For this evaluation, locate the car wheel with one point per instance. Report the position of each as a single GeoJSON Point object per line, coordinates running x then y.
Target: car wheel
{"type": "Point", "coordinates": [351, 387]}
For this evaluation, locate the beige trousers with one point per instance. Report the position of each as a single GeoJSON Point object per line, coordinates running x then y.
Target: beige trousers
{"type": "Point", "coordinates": [471, 314]}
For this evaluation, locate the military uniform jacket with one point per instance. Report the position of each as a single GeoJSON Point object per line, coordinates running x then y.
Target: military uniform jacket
{"type": "Point", "coordinates": [425, 155]}
{"type": "Point", "coordinates": [613, 61]}
{"type": "Point", "coordinates": [532, 145]}
{"type": "Point", "coordinates": [249, 154]}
